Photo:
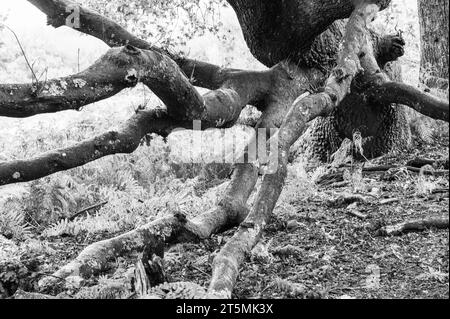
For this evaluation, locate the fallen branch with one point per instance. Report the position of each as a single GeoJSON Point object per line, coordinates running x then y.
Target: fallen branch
{"type": "Point", "coordinates": [385, 168]}
{"type": "Point", "coordinates": [347, 199]}
{"type": "Point", "coordinates": [21, 294]}
{"type": "Point", "coordinates": [389, 201]}
{"type": "Point", "coordinates": [355, 213]}
{"type": "Point", "coordinates": [440, 191]}
{"type": "Point", "coordinates": [87, 209]}
{"type": "Point", "coordinates": [417, 225]}
{"type": "Point", "coordinates": [338, 177]}
{"type": "Point", "coordinates": [421, 162]}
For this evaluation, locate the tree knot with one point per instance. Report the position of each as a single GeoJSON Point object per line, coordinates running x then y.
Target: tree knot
{"type": "Point", "coordinates": [247, 225]}
{"type": "Point", "coordinates": [181, 217]}
{"type": "Point", "coordinates": [339, 74]}
{"type": "Point", "coordinates": [131, 50]}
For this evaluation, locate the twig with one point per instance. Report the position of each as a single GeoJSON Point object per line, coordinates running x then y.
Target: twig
{"type": "Point", "coordinates": [85, 210]}
{"type": "Point", "coordinates": [23, 52]}
{"type": "Point", "coordinates": [384, 168]}
{"type": "Point", "coordinates": [347, 199]}
{"type": "Point", "coordinates": [356, 214]}
{"type": "Point", "coordinates": [78, 60]}
{"type": "Point", "coordinates": [440, 191]}
{"type": "Point", "coordinates": [389, 201]}
{"type": "Point", "coordinates": [57, 277]}
{"type": "Point", "coordinates": [199, 270]}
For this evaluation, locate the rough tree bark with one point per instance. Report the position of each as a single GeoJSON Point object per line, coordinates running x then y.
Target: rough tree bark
{"type": "Point", "coordinates": [310, 75]}
{"type": "Point", "coordinates": [434, 30]}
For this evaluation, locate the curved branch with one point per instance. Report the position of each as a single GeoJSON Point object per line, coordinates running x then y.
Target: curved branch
{"type": "Point", "coordinates": [117, 69]}
{"type": "Point", "coordinates": [427, 104]}
{"type": "Point", "coordinates": [124, 140]}
{"type": "Point", "coordinates": [201, 74]}
{"type": "Point", "coordinates": [230, 211]}
{"type": "Point", "coordinates": [100, 81]}
{"type": "Point", "coordinates": [227, 263]}
{"type": "Point", "coordinates": [90, 22]}
{"type": "Point", "coordinates": [125, 67]}
{"type": "Point", "coordinates": [128, 66]}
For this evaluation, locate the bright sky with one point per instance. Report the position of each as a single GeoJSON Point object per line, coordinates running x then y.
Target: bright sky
{"type": "Point", "coordinates": [21, 14]}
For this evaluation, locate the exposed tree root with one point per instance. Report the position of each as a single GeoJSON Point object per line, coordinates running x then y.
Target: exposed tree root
{"type": "Point", "coordinates": [94, 258]}
{"type": "Point", "coordinates": [417, 225]}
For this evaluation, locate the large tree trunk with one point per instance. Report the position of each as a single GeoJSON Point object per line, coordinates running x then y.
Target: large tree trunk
{"type": "Point", "coordinates": [346, 79]}
{"type": "Point", "coordinates": [383, 126]}
{"type": "Point", "coordinates": [273, 36]}
{"type": "Point", "coordinates": [274, 32]}
{"type": "Point", "coordinates": [434, 30]}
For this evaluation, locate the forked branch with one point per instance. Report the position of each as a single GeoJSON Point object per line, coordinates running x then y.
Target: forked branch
{"type": "Point", "coordinates": [200, 73]}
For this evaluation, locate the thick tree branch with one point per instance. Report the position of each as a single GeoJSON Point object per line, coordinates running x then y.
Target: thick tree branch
{"type": "Point", "coordinates": [227, 263]}
{"type": "Point", "coordinates": [230, 211]}
{"type": "Point", "coordinates": [123, 67]}
{"type": "Point", "coordinates": [100, 81]}
{"type": "Point", "coordinates": [117, 69]}
{"type": "Point", "coordinates": [129, 65]}
{"type": "Point", "coordinates": [124, 140]}
{"type": "Point", "coordinates": [427, 104]}
{"type": "Point", "coordinates": [200, 73]}
{"type": "Point", "coordinates": [90, 22]}
{"type": "Point", "coordinates": [418, 225]}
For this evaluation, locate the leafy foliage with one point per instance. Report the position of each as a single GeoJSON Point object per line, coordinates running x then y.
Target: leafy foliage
{"type": "Point", "coordinates": [148, 19]}
{"type": "Point", "coordinates": [12, 222]}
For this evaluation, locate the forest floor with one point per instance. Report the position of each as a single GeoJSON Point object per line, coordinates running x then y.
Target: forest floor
{"type": "Point", "coordinates": [313, 246]}
{"type": "Point", "coordinates": [316, 250]}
